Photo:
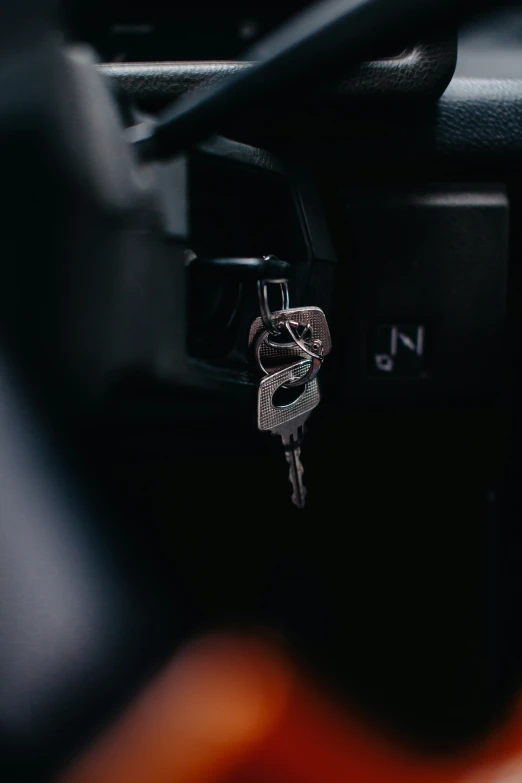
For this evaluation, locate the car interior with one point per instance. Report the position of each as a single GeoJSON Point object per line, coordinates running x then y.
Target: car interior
{"type": "Point", "coordinates": [261, 364]}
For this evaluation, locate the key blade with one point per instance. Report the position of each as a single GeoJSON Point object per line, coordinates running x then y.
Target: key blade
{"type": "Point", "coordinates": [296, 476]}
{"type": "Point", "coordinates": [291, 433]}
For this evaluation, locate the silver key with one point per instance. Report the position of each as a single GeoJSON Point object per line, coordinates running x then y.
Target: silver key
{"type": "Point", "coordinates": [270, 356]}
{"type": "Point", "coordinates": [288, 421]}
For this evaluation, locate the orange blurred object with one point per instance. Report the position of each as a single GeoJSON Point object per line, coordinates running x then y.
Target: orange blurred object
{"type": "Point", "coordinates": [234, 710]}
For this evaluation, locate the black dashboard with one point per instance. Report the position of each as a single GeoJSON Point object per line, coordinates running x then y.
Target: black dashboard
{"type": "Point", "coordinates": [158, 31]}
{"type": "Point", "coordinates": [126, 31]}
{"type": "Point", "coordinates": [135, 31]}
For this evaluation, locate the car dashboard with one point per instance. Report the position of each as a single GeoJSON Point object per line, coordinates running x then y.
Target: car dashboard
{"type": "Point", "coordinates": [390, 189]}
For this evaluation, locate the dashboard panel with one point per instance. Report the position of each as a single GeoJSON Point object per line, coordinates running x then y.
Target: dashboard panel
{"type": "Point", "coordinates": [137, 31]}
{"type": "Point", "coordinates": [125, 31]}
{"type": "Point", "coordinates": [159, 31]}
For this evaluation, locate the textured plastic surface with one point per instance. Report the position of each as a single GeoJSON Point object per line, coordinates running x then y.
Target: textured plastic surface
{"type": "Point", "coordinates": [432, 264]}
{"type": "Point", "coordinates": [422, 72]}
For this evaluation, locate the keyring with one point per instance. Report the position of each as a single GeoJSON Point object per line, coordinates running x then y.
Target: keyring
{"type": "Point", "coordinates": [313, 372]}
{"type": "Point", "coordinates": [307, 331]}
{"type": "Point", "coordinates": [266, 315]}
{"type": "Point", "coordinates": [291, 325]}
{"type": "Point", "coordinates": [316, 360]}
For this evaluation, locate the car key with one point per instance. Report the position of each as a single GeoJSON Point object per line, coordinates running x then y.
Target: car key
{"type": "Point", "coordinates": [288, 421]}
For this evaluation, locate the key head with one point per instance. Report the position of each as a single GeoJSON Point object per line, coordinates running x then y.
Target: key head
{"type": "Point", "coordinates": [275, 357]}
{"type": "Point", "coordinates": [290, 418]}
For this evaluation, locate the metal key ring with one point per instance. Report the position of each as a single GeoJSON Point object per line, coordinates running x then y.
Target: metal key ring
{"type": "Point", "coordinates": [307, 331]}
{"type": "Point", "coordinates": [291, 326]}
{"type": "Point", "coordinates": [313, 372]}
{"type": "Point", "coordinates": [266, 315]}
{"type": "Point", "coordinates": [316, 362]}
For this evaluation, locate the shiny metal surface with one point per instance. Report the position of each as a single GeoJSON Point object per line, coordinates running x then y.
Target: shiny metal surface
{"type": "Point", "coordinates": [266, 315]}
{"type": "Point", "coordinates": [272, 417]}
{"type": "Point", "coordinates": [313, 348]}
{"type": "Point", "coordinates": [316, 358]}
{"type": "Point", "coordinates": [272, 357]}
{"type": "Point", "coordinates": [306, 335]}
{"type": "Point", "coordinates": [296, 475]}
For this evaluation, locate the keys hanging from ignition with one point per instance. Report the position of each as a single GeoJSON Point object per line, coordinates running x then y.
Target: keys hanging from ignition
{"type": "Point", "coordinates": [289, 347]}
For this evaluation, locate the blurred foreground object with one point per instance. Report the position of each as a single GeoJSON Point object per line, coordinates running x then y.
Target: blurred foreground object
{"type": "Point", "coordinates": [233, 709]}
